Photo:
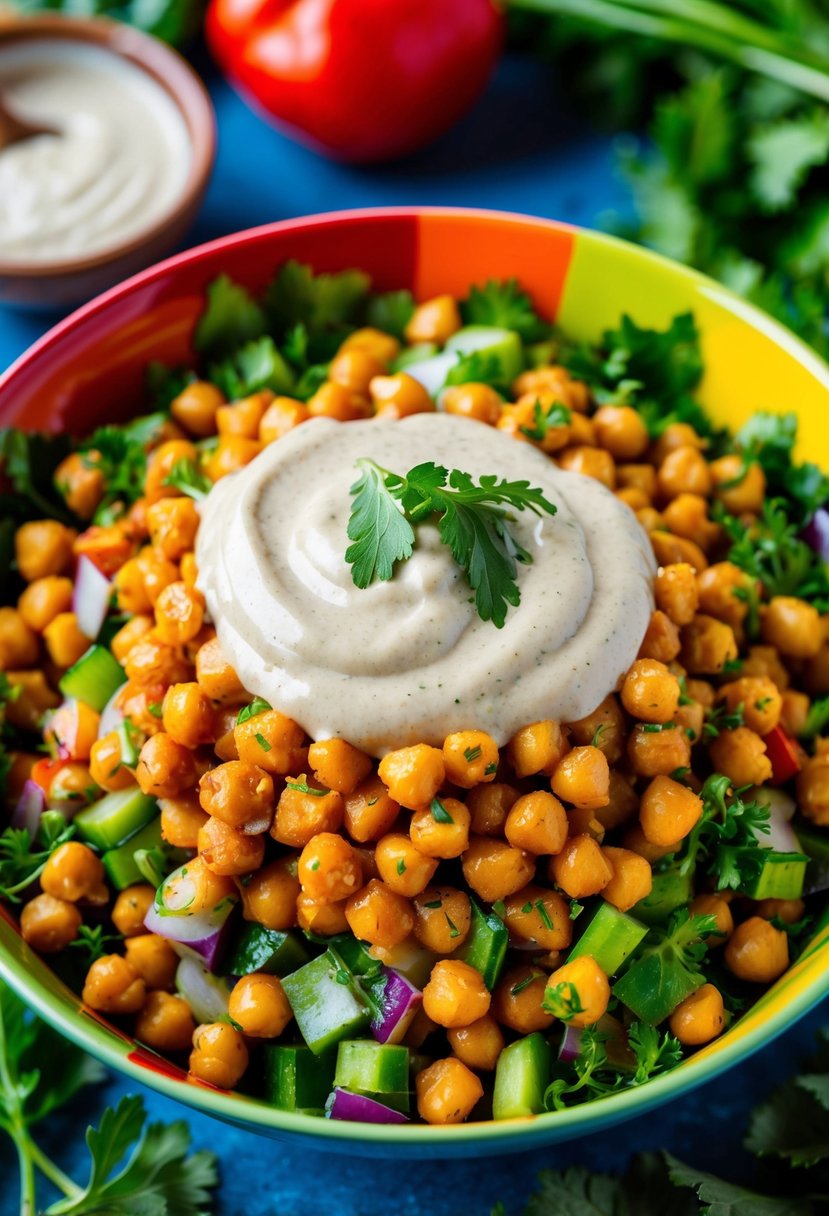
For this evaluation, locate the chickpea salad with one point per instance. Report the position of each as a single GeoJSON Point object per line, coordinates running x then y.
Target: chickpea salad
{"type": "Point", "coordinates": [461, 915]}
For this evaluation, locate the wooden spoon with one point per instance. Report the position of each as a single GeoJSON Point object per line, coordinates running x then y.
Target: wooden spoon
{"type": "Point", "coordinates": [13, 129]}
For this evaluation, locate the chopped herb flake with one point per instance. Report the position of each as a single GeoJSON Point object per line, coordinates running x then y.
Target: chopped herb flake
{"type": "Point", "coordinates": [439, 812]}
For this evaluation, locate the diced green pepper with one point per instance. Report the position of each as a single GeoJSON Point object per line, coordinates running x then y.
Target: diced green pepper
{"type": "Point", "coordinates": [609, 937]}
{"type": "Point", "coordinates": [130, 862]}
{"type": "Point", "coordinates": [94, 678]}
{"type": "Point", "coordinates": [486, 943]}
{"type": "Point", "coordinates": [671, 890]}
{"type": "Point", "coordinates": [325, 1002]}
{"type": "Point", "coordinates": [296, 1079]}
{"type": "Point", "coordinates": [491, 342]}
{"type": "Point", "coordinates": [769, 875]}
{"type": "Point", "coordinates": [522, 1075]}
{"type": "Point", "coordinates": [111, 821]}
{"type": "Point", "coordinates": [355, 954]}
{"type": "Point", "coordinates": [260, 949]}
{"type": "Point", "coordinates": [378, 1070]}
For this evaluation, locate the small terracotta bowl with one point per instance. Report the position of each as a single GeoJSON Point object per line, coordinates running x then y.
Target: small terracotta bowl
{"type": "Point", "coordinates": [70, 281]}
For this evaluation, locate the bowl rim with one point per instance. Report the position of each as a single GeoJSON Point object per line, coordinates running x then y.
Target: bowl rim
{"type": "Point", "coordinates": [171, 71]}
{"type": "Point", "coordinates": [497, 1136]}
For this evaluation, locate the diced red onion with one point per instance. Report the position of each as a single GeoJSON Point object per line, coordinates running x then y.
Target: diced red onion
{"type": "Point", "coordinates": [781, 836]}
{"type": "Point", "coordinates": [203, 935]}
{"type": "Point", "coordinates": [111, 715]}
{"type": "Point", "coordinates": [570, 1048]}
{"type": "Point", "coordinates": [91, 597]}
{"type": "Point", "coordinates": [816, 533]}
{"type": "Point", "coordinates": [205, 993]}
{"type": "Point", "coordinates": [30, 806]}
{"type": "Point", "coordinates": [356, 1108]}
{"type": "Point", "coordinates": [401, 1001]}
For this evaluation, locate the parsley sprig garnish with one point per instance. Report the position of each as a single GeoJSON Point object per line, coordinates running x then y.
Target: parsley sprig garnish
{"type": "Point", "coordinates": [471, 520]}
{"type": "Point", "coordinates": [727, 830]}
{"type": "Point", "coordinates": [22, 859]}
{"type": "Point", "coordinates": [596, 1075]}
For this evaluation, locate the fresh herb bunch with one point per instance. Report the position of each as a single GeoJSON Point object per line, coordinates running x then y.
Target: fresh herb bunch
{"type": "Point", "coordinates": [22, 859]}
{"type": "Point", "coordinates": [471, 520]}
{"type": "Point", "coordinates": [609, 1062]}
{"type": "Point", "coordinates": [727, 836]}
{"type": "Point", "coordinates": [788, 1136]}
{"type": "Point", "coordinates": [135, 1170]}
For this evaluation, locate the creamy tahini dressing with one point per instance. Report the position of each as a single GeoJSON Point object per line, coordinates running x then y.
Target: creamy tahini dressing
{"type": "Point", "coordinates": [119, 162]}
{"type": "Point", "coordinates": [410, 660]}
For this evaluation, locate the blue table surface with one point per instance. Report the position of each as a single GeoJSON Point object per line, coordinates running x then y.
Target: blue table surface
{"type": "Point", "coordinates": [522, 149]}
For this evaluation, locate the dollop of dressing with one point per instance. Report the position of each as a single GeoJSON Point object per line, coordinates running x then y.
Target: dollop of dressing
{"type": "Point", "coordinates": [118, 163]}
{"type": "Point", "coordinates": [410, 660]}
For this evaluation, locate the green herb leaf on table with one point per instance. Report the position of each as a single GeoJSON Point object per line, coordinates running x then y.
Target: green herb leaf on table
{"type": "Point", "coordinates": [471, 521]}
{"type": "Point", "coordinates": [729, 1199]}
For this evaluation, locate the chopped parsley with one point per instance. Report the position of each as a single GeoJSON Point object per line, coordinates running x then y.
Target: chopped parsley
{"type": "Point", "coordinates": [562, 1001]}
{"type": "Point", "coordinates": [520, 985]}
{"type": "Point", "coordinates": [302, 787]}
{"type": "Point", "coordinates": [454, 931]}
{"type": "Point", "coordinates": [541, 908]}
{"type": "Point", "coordinates": [401, 866]}
{"type": "Point", "coordinates": [471, 754]}
{"type": "Point", "coordinates": [439, 812]}
{"type": "Point", "coordinates": [262, 741]}
{"type": "Point", "coordinates": [257, 706]}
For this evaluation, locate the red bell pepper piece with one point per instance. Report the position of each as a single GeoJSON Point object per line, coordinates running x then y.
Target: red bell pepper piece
{"type": "Point", "coordinates": [361, 80]}
{"type": "Point", "coordinates": [785, 754]}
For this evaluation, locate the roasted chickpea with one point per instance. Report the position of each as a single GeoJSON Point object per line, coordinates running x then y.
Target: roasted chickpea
{"type": "Point", "coordinates": [320, 917]}
{"type": "Point", "coordinates": [74, 873]}
{"type": "Point", "coordinates": [739, 485]}
{"type": "Point", "coordinates": [165, 768]}
{"type": "Point", "coordinates": [578, 993]}
{"type": "Point", "coordinates": [684, 471]}
{"type": "Point", "coordinates": [413, 775]}
{"type": "Point", "coordinates": [240, 794]}
{"type": "Point", "coordinates": [650, 692]}
{"type": "Point", "coordinates": [478, 1045]}
{"type": "Point", "coordinates": [655, 749]}
{"type": "Point", "coordinates": [369, 811]}
{"type": "Point", "coordinates": [303, 810]}
{"type": "Point", "coordinates": [539, 916]}
{"type": "Point", "coordinates": [605, 729]}
{"type": "Point", "coordinates": [631, 880]}
{"type": "Point", "coordinates": [271, 741]}
{"type": "Point", "coordinates": [130, 909]}
{"type": "Point", "coordinates": [259, 1005]}
{"type": "Point", "coordinates": [537, 823]}
{"type": "Point", "coordinates": [792, 626]}
{"type": "Point", "coordinates": [442, 918]}
{"type": "Point", "coordinates": [470, 758]}
{"type": "Point", "coordinates": [165, 1022]}
{"type": "Point", "coordinates": [442, 830]}
{"type": "Point", "coordinates": [699, 1018]}
{"type": "Point", "coordinates": [581, 868]}
{"type": "Point", "coordinates": [216, 676]}
{"type": "Point", "coordinates": [270, 897]}
{"type": "Point", "coordinates": [477, 401]}
{"type": "Point", "coordinates": [456, 994]}
{"type": "Point", "coordinates": [187, 714]}
{"type": "Point", "coordinates": [723, 592]}
{"type": "Point", "coordinates": [219, 1054]}
{"type": "Point", "coordinates": [446, 1092]}
{"type": "Point", "coordinates": [195, 408]}
{"type": "Point", "coordinates": [338, 765]}
{"type": "Point", "coordinates": [537, 748]}
{"type": "Point", "coordinates": [741, 755]}
{"type": "Point", "coordinates": [380, 916]}
{"type": "Point", "coordinates": [153, 958]}
{"type": "Point", "coordinates": [39, 604]}
{"type": "Point", "coordinates": [399, 396]}
{"type": "Point", "coordinates": [582, 777]}
{"type": "Point", "coordinates": [43, 547]}
{"type": "Point", "coordinates": [661, 641]}
{"type": "Point", "coordinates": [757, 952]}
{"type": "Point", "coordinates": [676, 592]}
{"type": "Point", "coordinates": [717, 906]}
{"type": "Point", "coordinates": [494, 869]}
{"type": "Point", "coordinates": [489, 806]}
{"type": "Point", "coordinates": [518, 1000]}
{"type": "Point", "coordinates": [227, 851]}
{"type": "Point", "coordinates": [668, 811]}
{"type": "Point", "coordinates": [113, 985]}
{"type": "Point", "coordinates": [49, 924]}
{"type": "Point", "coordinates": [759, 700]}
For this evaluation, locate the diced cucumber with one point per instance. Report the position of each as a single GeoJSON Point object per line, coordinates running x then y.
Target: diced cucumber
{"type": "Point", "coordinates": [94, 678]}
{"type": "Point", "coordinates": [206, 994]}
{"type": "Point", "coordinates": [325, 1004]}
{"type": "Point", "coordinates": [609, 937]}
{"type": "Point", "coordinates": [432, 372]}
{"type": "Point", "coordinates": [491, 342]}
{"type": "Point", "coordinates": [769, 875]}
{"type": "Point", "coordinates": [485, 947]}
{"type": "Point", "coordinates": [378, 1070]}
{"type": "Point", "coordinates": [653, 986]}
{"type": "Point", "coordinates": [355, 954]}
{"type": "Point", "coordinates": [122, 867]}
{"type": "Point", "coordinates": [111, 821]}
{"type": "Point", "coordinates": [522, 1075]}
{"type": "Point", "coordinates": [260, 949]}
{"type": "Point", "coordinates": [815, 844]}
{"type": "Point", "coordinates": [296, 1079]}
{"type": "Point", "coordinates": [414, 354]}
{"type": "Point", "coordinates": [670, 890]}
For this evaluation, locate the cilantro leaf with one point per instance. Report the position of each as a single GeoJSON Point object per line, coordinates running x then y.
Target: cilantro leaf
{"type": "Point", "coordinates": [159, 1178]}
{"type": "Point", "coordinates": [770, 439]}
{"type": "Point", "coordinates": [381, 533]}
{"type": "Point", "coordinates": [27, 491]}
{"type": "Point", "coordinates": [478, 368]}
{"type": "Point", "coordinates": [186, 476]}
{"type": "Point", "coordinates": [120, 453]}
{"type": "Point", "coordinates": [22, 859]}
{"type": "Point", "coordinates": [471, 522]}
{"type": "Point", "coordinates": [576, 1192]}
{"type": "Point", "coordinates": [165, 383]}
{"type": "Point", "coordinates": [726, 836]}
{"type": "Point", "coordinates": [655, 371]}
{"type": "Point", "coordinates": [793, 1123]}
{"type": "Point", "coordinates": [319, 301]}
{"type": "Point", "coordinates": [391, 311]}
{"type": "Point", "coordinates": [231, 318]}
{"type": "Point", "coordinates": [507, 306]}
{"type": "Point", "coordinates": [771, 551]}
{"type": "Point", "coordinates": [728, 1199]}
{"type": "Point", "coordinates": [256, 365]}
{"type": "Point", "coordinates": [782, 154]}
{"type": "Point", "coordinates": [94, 942]}
{"type": "Point", "coordinates": [545, 419]}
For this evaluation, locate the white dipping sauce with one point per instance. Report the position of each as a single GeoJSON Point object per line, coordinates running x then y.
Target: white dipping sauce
{"type": "Point", "coordinates": [410, 660]}
{"type": "Point", "coordinates": [118, 164]}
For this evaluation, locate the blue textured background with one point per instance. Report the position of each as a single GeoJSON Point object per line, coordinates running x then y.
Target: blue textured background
{"type": "Point", "coordinates": [520, 150]}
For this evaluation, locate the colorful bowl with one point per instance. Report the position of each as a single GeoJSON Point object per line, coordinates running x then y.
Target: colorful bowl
{"type": "Point", "coordinates": [91, 367]}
